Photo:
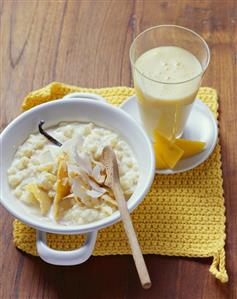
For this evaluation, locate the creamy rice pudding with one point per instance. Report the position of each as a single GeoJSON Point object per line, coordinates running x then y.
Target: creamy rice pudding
{"type": "Point", "coordinates": [66, 184]}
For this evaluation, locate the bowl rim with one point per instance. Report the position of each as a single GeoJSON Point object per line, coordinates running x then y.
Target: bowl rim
{"type": "Point", "coordinates": [96, 225]}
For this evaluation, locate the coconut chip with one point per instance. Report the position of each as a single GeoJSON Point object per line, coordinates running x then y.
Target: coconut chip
{"type": "Point", "coordinates": [83, 160]}
{"type": "Point", "coordinates": [96, 187]}
{"type": "Point", "coordinates": [109, 199]}
{"type": "Point", "coordinates": [84, 178]}
{"type": "Point", "coordinates": [93, 193]}
{"type": "Point", "coordinates": [98, 172]}
{"type": "Point", "coordinates": [79, 191]}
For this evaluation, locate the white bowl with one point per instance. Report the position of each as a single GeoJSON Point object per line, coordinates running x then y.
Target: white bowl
{"type": "Point", "coordinates": [72, 109]}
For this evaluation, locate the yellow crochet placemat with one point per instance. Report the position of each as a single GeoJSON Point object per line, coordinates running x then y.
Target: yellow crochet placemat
{"type": "Point", "coordinates": [183, 215]}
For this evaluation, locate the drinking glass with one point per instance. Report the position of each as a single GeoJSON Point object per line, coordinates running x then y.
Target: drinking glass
{"type": "Point", "coordinates": [165, 106]}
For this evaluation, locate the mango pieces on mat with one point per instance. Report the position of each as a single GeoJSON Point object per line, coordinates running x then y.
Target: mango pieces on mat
{"type": "Point", "coordinates": [168, 152]}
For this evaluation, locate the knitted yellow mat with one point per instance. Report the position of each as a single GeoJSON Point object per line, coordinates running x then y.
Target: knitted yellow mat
{"type": "Point", "coordinates": [183, 215]}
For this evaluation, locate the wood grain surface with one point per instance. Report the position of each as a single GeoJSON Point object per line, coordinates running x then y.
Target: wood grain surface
{"type": "Point", "coordinates": [87, 43]}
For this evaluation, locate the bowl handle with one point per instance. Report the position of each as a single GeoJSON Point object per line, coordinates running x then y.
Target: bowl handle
{"type": "Point", "coordinates": [65, 258]}
{"type": "Point", "coordinates": [83, 95]}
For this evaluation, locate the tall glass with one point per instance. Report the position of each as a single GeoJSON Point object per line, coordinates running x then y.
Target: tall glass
{"type": "Point", "coordinates": [168, 64]}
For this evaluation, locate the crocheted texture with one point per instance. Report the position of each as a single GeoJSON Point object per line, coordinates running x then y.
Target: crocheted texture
{"type": "Point", "coordinates": [183, 215]}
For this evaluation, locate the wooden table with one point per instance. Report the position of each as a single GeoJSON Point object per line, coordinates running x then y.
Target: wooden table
{"type": "Point", "coordinates": [87, 43]}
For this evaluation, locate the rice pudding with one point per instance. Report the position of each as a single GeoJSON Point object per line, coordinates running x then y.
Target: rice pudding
{"type": "Point", "coordinates": [65, 184]}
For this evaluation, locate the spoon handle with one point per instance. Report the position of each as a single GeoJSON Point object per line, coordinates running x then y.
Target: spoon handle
{"type": "Point", "coordinates": [132, 238]}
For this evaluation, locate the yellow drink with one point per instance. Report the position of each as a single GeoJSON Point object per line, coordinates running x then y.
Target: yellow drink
{"type": "Point", "coordinates": [166, 87]}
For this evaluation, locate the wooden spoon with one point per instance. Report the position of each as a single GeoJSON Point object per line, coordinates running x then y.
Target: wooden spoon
{"type": "Point", "coordinates": [112, 180]}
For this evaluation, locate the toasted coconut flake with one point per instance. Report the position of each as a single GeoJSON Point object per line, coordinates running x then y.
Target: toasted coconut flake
{"type": "Point", "coordinates": [109, 191]}
{"type": "Point", "coordinates": [72, 144]}
{"type": "Point", "coordinates": [98, 173]}
{"type": "Point", "coordinates": [83, 160]}
{"type": "Point", "coordinates": [109, 199]}
{"type": "Point", "coordinates": [75, 142]}
{"type": "Point", "coordinates": [73, 170]}
{"type": "Point", "coordinates": [84, 179]}
{"type": "Point", "coordinates": [86, 189]}
{"type": "Point", "coordinates": [96, 187]}
{"type": "Point", "coordinates": [78, 190]}
{"type": "Point", "coordinates": [41, 196]}
{"type": "Point", "coordinates": [94, 193]}
{"type": "Point", "coordinates": [69, 196]}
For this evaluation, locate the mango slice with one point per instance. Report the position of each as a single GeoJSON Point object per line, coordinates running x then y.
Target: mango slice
{"type": "Point", "coordinates": [62, 185]}
{"type": "Point", "coordinates": [160, 163]}
{"type": "Point", "coordinates": [190, 147]}
{"type": "Point", "coordinates": [169, 152]}
{"type": "Point", "coordinates": [41, 196]}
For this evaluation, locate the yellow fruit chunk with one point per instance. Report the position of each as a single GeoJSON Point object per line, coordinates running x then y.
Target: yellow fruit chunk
{"type": "Point", "coordinates": [41, 196]}
{"type": "Point", "coordinates": [190, 147]}
{"type": "Point", "coordinates": [62, 185]}
{"type": "Point", "coordinates": [160, 163]}
{"type": "Point", "coordinates": [169, 152]}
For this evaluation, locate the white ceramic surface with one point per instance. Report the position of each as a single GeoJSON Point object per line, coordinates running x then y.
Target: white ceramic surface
{"type": "Point", "coordinates": [201, 125]}
{"type": "Point", "coordinates": [84, 95]}
{"type": "Point", "coordinates": [78, 108]}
